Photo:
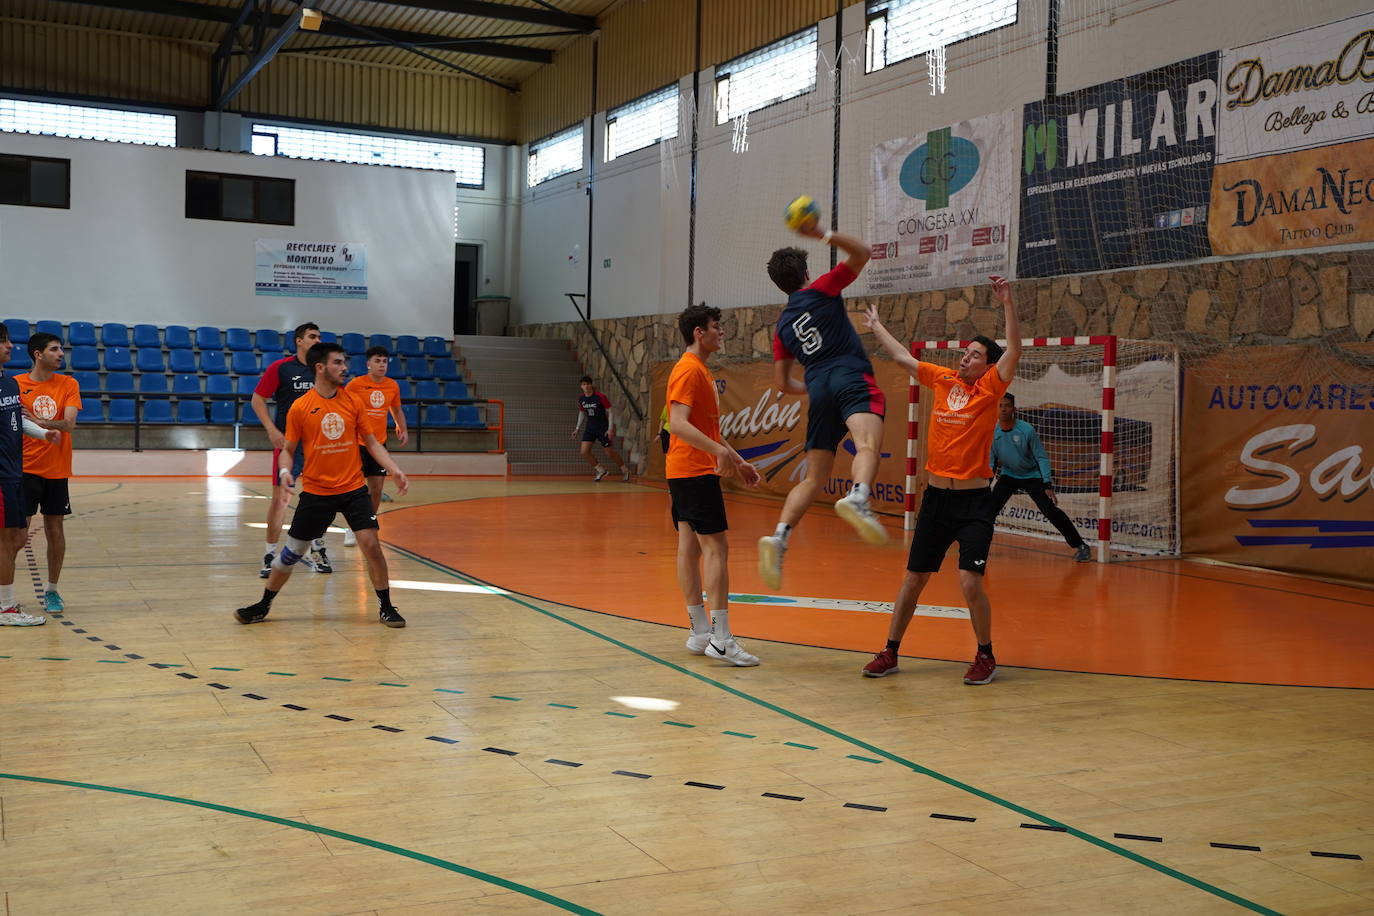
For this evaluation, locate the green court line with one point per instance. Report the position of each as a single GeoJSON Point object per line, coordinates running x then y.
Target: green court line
{"type": "Point", "coordinates": [511, 699]}
{"type": "Point", "coordinates": [739, 734]}
{"type": "Point", "coordinates": [864, 759]}
{"type": "Point", "coordinates": [282, 673]}
{"type": "Point", "coordinates": [438, 689]}
{"type": "Point", "coordinates": [562, 705]}
{"type": "Point", "coordinates": [336, 678]}
{"type": "Point", "coordinates": [226, 669]}
{"type": "Point", "coordinates": [324, 831]}
{"type": "Point", "coordinates": [915, 767]}
{"type": "Point", "coordinates": [51, 658]}
{"type": "Point", "coordinates": [623, 715]}
{"type": "Point", "coordinates": [678, 724]}
{"type": "Point", "coordinates": [112, 661]}
{"type": "Point", "coordinates": [387, 684]}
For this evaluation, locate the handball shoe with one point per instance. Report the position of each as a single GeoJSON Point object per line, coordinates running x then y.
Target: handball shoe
{"type": "Point", "coordinates": [1083, 554]}
{"type": "Point", "coordinates": [52, 602]}
{"type": "Point", "coordinates": [319, 561]}
{"type": "Point", "coordinates": [883, 664]}
{"type": "Point", "coordinates": [13, 617]}
{"type": "Point", "coordinates": [350, 539]}
{"type": "Point", "coordinates": [391, 617]}
{"type": "Point", "coordinates": [252, 614]}
{"type": "Point", "coordinates": [771, 549]}
{"type": "Point", "coordinates": [865, 521]}
{"type": "Point", "coordinates": [982, 671]}
{"type": "Point", "coordinates": [266, 566]}
{"type": "Point", "coordinates": [600, 473]}
{"type": "Point", "coordinates": [697, 643]}
{"type": "Point", "coordinates": [625, 473]}
{"type": "Point", "coordinates": [732, 652]}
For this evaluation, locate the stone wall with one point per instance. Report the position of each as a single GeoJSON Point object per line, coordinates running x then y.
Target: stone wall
{"type": "Point", "coordinates": [1325, 299]}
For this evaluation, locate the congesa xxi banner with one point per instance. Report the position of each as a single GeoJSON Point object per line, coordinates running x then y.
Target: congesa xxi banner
{"type": "Point", "coordinates": [768, 428]}
{"type": "Point", "coordinates": [941, 206]}
{"type": "Point", "coordinates": [1278, 460]}
{"type": "Point", "coordinates": [1295, 141]}
{"type": "Point", "coordinates": [1119, 174]}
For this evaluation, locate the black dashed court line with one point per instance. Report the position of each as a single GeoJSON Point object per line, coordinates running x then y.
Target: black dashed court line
{"type": "Point", "coordinates": [631, 774]}
{"type": "Point", "coordinates": [254, 696]}
{"type": "Point", "coordinates": [295, 707]}
{"type": "Point", "coordinates": [783, 797]}
{"type": "Point", "coordinates": [703, 785]}
{"type": "Point", "coordinates": [953, 817]}
{"type": "Point", "coordinates": [435, 738]}
{"type": "Point", "coordinates": [339, 718]}
{"type": "Point", "coordinates": [1050, 827]}
{"type": "Point", "coordinates": [1235, 846]}
{"type": "Point", "coordinates": [1136, 836]}
{"type": "Point", "coordinates": [562, 763]}
{"type": "Point", "coordinates": [1337, 855]}
{"type": "Point", "coordinates": [864, 807]}
{"type": "Point", "coordinates": [397, 731]}
{"type": "Point", "coordinates": [500, 750]}
{"type": "Point", "coordinates": [188, 675]}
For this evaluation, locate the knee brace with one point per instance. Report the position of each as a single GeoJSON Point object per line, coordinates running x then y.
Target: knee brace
{"type": "Point", "coordinates": [291, 553]}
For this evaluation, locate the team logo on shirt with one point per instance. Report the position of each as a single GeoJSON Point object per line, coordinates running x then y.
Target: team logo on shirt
{"type": "Point", "coordinates": [332, 425]}
{"type": "Point", "coordinates": [44, 407]}
{"type": "Point", "coordinates": [957, 398]}
{"type": "Point", "coordinates": [376, 398]}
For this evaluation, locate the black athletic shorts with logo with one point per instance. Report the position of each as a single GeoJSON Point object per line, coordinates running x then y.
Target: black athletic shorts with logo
{"type": "Point", "coordinates": [698, 502]}
{"type": "Point", "coordinates": [947, 516]}
{"type": "Point", "coordinates": [48, 495]}
{"type": "Point", "coordinates": [370, 466]}
{"type": "Point", "coordinates": [600, 434]}
{"type": "Point", "coordinates": [14, 505]}
{"type": "Point", "coordinates": [315, 513]}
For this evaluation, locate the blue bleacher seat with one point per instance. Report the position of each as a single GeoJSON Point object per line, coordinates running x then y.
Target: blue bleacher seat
{"type": "Point", "coordinates": [212, 362]}
{"type": "Point", "coordinates": [152, 382]}
{"type": "Point", "coordinates": [86, 358]}
{"type": "Point", "coordinates": [418, 367]}
{"type": "Point", "coordinates": [238, 339]}
{"type": "Point", "coordinates": [438, 415]}
{"type": "Point", "coordinates": [19, 361]}
{"type": "Point", "coordinates": [406, 387]}
{"type": "Point", "coordinates": [246, 415]}
{"type": "Point", "coordinates": [191, 410]}
{"type": "Point", "coordinates": [182, 362]}
{"type": "Point", "coordinates": [187, 383]}
{"type": "Point", "coordinates": [19, 331]}
{"type": "Point", "coordinates": [157, 411]}
{"type": "Point", "coordinates": [208, 338]}
{"type": "Point", "coordinates": [119, 382]}
{"type": "Point", "coordinates": [468, 416]}
{"type": "Point", "coordinates": [412, 414]}
{"type": "Point", "coordinates": [328, 337]}
{"type": "Point", "coordinates": [245, 384]}
{"type": "Point", "coordinates": [456, 389]}
{"type": "Point", "coordinates": [357, 366]}
{"type": "Point", "coordinates": [48, 326]}
{"type": "Point", "coordinates": [178, 337]}
{"type": "Point", "coordinates": [267, 340]}
{"type": "Point", "coordinates": [118, 359]}
{"type": "Point", "coordinates": [146, 335]}
{"type": "Point", "coordinates": [121, 410]}
{"type": "Point", "coordinates": [150, 360]}
{"type": "Point", "coordinates": [353, 344]}
{"type": "Point", "coordinates": [87, 381]}
{"type": "Point", "coordinates": [244, 362]}
{"type": "Point", "coordinates": [381, 340]}
{"type": "Point", "coordinates": [408, 345]}
{"type": "Point", "coordinates": [427, 388]}
{"type": "Point", "coordinates": [92, 411]}
{"type": "Point", "coordinates": [222, 412]}
{"type": "Point", "coordinates": [446, 370]}
{"type": "Point", "coordinates": [436, 346]}
{"type": "Point", "coordinates": [81, 334]}
{"type": "Point", "coordinates": [114, 334]}
{"type": "Point", "coordinates": [217, 384]}
{"type": "Point", "coordinates": [396, 369]}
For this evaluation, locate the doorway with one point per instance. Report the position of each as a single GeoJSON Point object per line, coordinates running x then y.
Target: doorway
{"type": "Point", "coordinates": [465, 263]}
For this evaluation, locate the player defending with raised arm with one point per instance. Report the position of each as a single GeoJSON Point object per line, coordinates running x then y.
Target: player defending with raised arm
{"type": "Point", "coordinates": [327, 425]}
{"type": "Point", "coordinates": [696, 461]}
{"type": "Point", "coordinates": [378, 396]}
{"type": "Point", "coordinates": [596, 423]}
{"type": "Point", "coordinates": [957, 503]}
{"type": "Point", "coordinates": [815, 331]}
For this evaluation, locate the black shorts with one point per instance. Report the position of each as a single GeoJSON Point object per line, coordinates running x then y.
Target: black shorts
{"type": "Point", "coordinates": [314, 513]}
{"type": "Point", "coordinates": [15, 504]}
{"type": "Point", "coordinates": [698, 502]}
{"type": "Point", "coordinates": [50, 495]}
{"type": "Point", "coordinates": [837, 394]}
{"type": "Point", "coordinates": [601, 435]}
{"type": "Point", "coordinates": [947, 516]}
{"type": "Point", "coordinates": [370, 466]}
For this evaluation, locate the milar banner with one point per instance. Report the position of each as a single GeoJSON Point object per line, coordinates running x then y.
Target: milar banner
{"type": "Point", "coordinates": [321, 270]}
{"type": "Point", "coordinates": [1278, 471]}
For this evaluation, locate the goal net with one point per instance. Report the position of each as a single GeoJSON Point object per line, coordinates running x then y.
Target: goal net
{"type": "Point", "coordinates": [1106, 412]}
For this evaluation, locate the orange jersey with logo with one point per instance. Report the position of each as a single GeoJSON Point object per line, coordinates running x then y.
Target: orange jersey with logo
{"type": "Point", "coordinates": [49, 401]}
{"type": "Point", "coordinates": [327, 428]}
{"type": "Point", "coordinates": [962, 421]}
{"type": "Point", "coordinates": [375, 400]}
{"type": "Point", "coordinates": [691, 383]}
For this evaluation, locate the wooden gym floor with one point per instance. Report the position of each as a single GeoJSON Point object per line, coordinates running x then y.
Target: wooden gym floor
{"type": "Point", "coordinates": [538, 739]}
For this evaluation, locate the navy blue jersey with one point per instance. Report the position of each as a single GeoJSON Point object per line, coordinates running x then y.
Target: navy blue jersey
{"type": "Point", "coordinates": [596, 406]}
{"type": "Point", "coordinates": [284, 381]}
{"type": "Point", "coordinates": [814, 330]}
{"type": "Point", "coordinates": [11, 430]}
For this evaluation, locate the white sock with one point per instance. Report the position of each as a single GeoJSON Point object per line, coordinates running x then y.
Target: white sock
{"type": "Point", "coordinates": [272, 549]}
{"type": "Point", "coordinates": [861, 492]}
{"type": "Point", "coordinates": [783, 532]}
{"type": "Point", "coordinates": [49, 587]}
{"type": "Point", "coordinates": [720, 625]}
{"type": "Point", "coordinates": [7, 596]}
{"type": "Point", "coordinates": [701, 624]}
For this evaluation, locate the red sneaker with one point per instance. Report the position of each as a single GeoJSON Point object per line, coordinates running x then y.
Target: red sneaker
{"type": "Point", "coordinates": [982, 671]}
{"type": "Point", "coordinates": [883, 664]}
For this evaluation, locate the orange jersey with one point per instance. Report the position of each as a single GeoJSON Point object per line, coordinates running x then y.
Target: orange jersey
{"type": "Point", "coordinates": [962, 421]}
{"type": "Point", "coordinates": [375, 401]}
{"type": "Point", "coordinates": [49, 401]}
{"type": "Point", "coordinates": [327, 428]}
{"type": "Point", "coordinates": [691, 383]}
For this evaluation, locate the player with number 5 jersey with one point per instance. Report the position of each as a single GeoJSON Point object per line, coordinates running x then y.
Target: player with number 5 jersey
{"type": "Point", "coordinates": [845, 399]}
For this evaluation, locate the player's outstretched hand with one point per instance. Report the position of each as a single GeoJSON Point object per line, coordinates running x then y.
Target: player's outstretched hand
{"type": "Point", "coordinates": [53, 435]}
{"type": "Point", "coordinates": [402, 483]}
{"type": "Point", "coordinates": [1001, 288]}
{"type": "Point", "coordinates": [403, 436]}
{"type": "Point", "coordinates": [871, 319]}
{"type": "Point", "coordinates": [749, 474]}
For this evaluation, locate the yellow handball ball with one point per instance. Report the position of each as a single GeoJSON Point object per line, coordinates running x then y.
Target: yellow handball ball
{"type": "Point", "coordinates": [802, 213]}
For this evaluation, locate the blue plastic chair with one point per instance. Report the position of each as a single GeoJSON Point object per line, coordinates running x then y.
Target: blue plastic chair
{"type": "Point", "coordinates": [446, 370]}
{"type": "Point", "coordinates": [119, 383]}
{"type": "Point", "coordinates": [328, 337]}
{"type": "Point", "coordinates": [212, 362]}
{"type": "Point", "coordinates": [187, 383]}
{"type": "Point", "coordinates": [81, 334]}
{"type": "Point", "coordinates": [408, 345]}
{"type": "Point", "coordinates": [267, 340]}
{"type": "Point", "coordinates": [157, 411]}
{"type": "Point", "coordinates": [417, 367]}
{"type": "Point", "coordinates": [146, 335]}
{"type": "Point", "coordinates": [396, 369]}
{"type": "Point", "coordinates": [467, 416]}
{"type": "Point", "coordinates": [246, 415]}
{"type": "Point", "coordinates": [436, 346]}
{"type": "Point", "coordinates": [178, 337]}
{"type": "Point", "coordinates": [152, 383]}
{"type": "Point", "coordinates": [114, 334]}
{"type": "Point", "coordinates": [412, 414]}
{"type": "Point", "coordinates": [456, 389]}
{"type": "Point", "coordinates": [222, 413]}
{"type": "Point", "coordinates": [208, 338]}
{"type": "Point", "coordinates": [19, 361]}
{"type": "Point", "coordinates": [182, 362]}
{"type": "Point", "coordinates": [118, 359]}
{"type": "Point", "coordinates": [217, 384]}
{"type": "Point", "coordinates": [427, 388]}
{"type": "Point", "coordinates": [244, 362]}
{"type": "Point", "coordinates": [19, 331]}
{"type": "Point", "coordinates": [150, 360]}
{"type": "Point", "coordinates": [84, 358]}
{"type": "Point", "coordinates": [191, 410]}
{"type": "Point", "coordinates": [438, 415]}
{"type": "Point", "coordinates": [238, 339]}
{"type": "Point", "coordinates": [244, 385]}
{"type": "Point", "coordinates": [48, 326]}
{"type": "Point", "coordinates": [357, 366]}
{"type": "Point", "coordinates": [406, 387]}
{"type": "Point", "coordinates": [87, 381]}
{"type": "Point", "coordinates": [92, 411]}
{"type": "Point", "coordinates": [381, 340]}
{"type": "Point", "coordinates": [353, 344]}
{"type": "Point", "coordinates": [121, 410]}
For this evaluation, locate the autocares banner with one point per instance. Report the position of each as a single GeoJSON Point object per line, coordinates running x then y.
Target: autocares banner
{"type": "Point", "coordinates": [1120, 174]}
{"type": "Point", "coordinates": [1278, 460]}
{"type": "Point", "coordinates": [768, 428]}
{"type": "Point", "coordinates": [941, 206]}
{"type": "Point", "coordinates": [320, 270]}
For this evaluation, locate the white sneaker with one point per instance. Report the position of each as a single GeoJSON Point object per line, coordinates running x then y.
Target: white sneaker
{"type": "Point", "coordinates": [771, 550]}
{"type": "Point", "coordinates": [697, 643]}
{"type": "Point", "coordinates": [865, 521]}
{"type": "Point", "coordinates": [625, 473]}
{"type": "Point", "coordinates": [13, 617]}
{"type": "Point", "coordinates": [733, 653]}
{"type": "Point", "coordinates": [350, 539]}
{"type": "Point", "coordinates": [600, 473]}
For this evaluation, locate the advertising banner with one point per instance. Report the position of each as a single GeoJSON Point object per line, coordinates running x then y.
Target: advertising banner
{"type": "Point", "coordinates": [942, 206]}
{"type": "Point", "coordinates": [321, 270]}
{"type": "Point", "coordinates": [1279, 469]}
{"type": "Point", "coordinates": [1120, 174]}
{"type": "Point", "coordinates": [1298, 91]}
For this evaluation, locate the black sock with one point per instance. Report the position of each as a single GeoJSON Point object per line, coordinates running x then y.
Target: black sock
{"type": "Point", "coordinates": [985, 649]}
{"type": "Point", "coordinates": [384, 596]}
{"type": "Point", "coordinates": [893, 644]}
{"type": "Point", "coordinates": [267, 596]}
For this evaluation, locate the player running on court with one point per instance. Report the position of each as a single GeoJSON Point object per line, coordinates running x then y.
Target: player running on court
{"type": "Point", "coordinates": [596, 423]}
{"type": "Point", "coordinates": [378, 396]}
{"type": "Point", "coordinates": [326, 424]}
{"type": "Point", "coordinates": [957, 503]}
{"type": "Point", "coordinates": [815, 331]}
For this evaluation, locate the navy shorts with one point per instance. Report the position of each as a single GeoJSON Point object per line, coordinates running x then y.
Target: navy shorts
{"type": "Point", "coordinates": [600, 434]}
{"type": "Point", "coordinates": [947, 516]}
{"type": "Point", "coordinates": [16, 503]}
{"type": "Point", "coordinates": [836, 395]}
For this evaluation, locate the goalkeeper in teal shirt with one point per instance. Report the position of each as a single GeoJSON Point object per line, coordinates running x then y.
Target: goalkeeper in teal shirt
{"type": "Point", "coordinates": [1020, 463]}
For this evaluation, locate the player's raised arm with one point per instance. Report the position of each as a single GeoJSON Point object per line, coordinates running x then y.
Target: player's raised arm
{"type": "Point", "coordinates": [856, 250]}
{"type": "Point", "coordinates": [894, 347]}
{"type": "Point", "coordinates": [1006, 366]}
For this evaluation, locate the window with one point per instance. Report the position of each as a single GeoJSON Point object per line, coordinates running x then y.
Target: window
{"type": "Point", "coordinates": [87, 123]}
{"type": "Point", "coordinates": [30, 181]}
{"type": "Point", "coordinates": [240, 198]}
{"type": "Point", "coordinates": [783, 70]}
{"type": "Point", "coordinates": [643, 122]}
{"type": "Point", "coordinates": [466, 162]}
{"type": "Point", "coordinates": [555, 155]}
{"type": "Point", "coordinates": [901, 29]}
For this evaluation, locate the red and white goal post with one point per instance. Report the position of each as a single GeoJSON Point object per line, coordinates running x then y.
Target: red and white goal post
{"type": "Point", "coordinates": [1106, 411]}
